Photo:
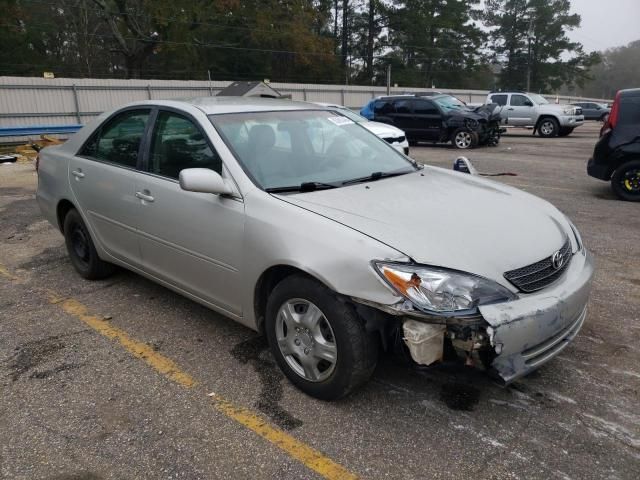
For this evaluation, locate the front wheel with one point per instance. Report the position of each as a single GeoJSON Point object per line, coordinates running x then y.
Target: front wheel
{"type": "Point", "coordinates": [565, 132]}
{"type": "Point", "coordinates": [318, 340]}
{"type": "Point", "coordinates": [463, 139]}
{"type": "Point", "coordinates": [625, 182]}
{"type": "Point", "coordinates": [548, 127]}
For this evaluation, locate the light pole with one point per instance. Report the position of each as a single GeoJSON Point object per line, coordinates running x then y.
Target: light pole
{"type": "Point", "coordinates": [530, 36]}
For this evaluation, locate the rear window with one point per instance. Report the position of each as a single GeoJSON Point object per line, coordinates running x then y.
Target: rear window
{"type": "Point", "coordinates": [629, 111]}
{"type": "Point", "coordinates": [499, 99]}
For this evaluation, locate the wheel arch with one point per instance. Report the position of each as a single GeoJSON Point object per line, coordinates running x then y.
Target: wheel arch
{"type": "Point", "coordinates": [542, 117]}
{"type": "Point", "coordinates": [267, 281]}
{"type": "Point", "coordinates": [62, 209]}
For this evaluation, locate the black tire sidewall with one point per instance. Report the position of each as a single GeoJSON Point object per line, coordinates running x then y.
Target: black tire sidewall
{"type": "Point", "coordinates": [617, 188]}
{"type": "Point", "coordinates": [95, 268]}
{"type": "Point", "coordinates": [473, 144]}
{"type": "Point", "coordinates": [356, 348]}
{"type": "Point", "coordinates": [556, 127]}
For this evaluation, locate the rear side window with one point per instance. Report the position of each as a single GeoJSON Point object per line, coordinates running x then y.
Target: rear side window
{"type": "Point", "coordinates": [118, 140]}
{"type": "Point", "coordinates": [402, 106]}
{"type": "Point", "coordinates": [424, 107]}
{"type": "Point", "coordinates": [382, 107]}
{"type": "Point", "coordinates": [629, 111]}
{"type": "Point", "coordinates": [499, 99]}
{"type": "Point", "coordinates": [178, 144]}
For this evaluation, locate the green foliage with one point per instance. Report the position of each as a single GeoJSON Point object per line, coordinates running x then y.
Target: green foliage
{"type": "Point", "coordinates": [529, 38]}
{"type": "Point", "coordinates": [618, 69]}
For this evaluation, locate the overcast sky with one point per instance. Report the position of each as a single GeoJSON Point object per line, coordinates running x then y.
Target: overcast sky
{"type": "Point", "coordinates": [606, 23]}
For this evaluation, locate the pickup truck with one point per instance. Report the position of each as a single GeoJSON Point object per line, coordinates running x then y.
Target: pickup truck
{"type": "Point", "coordinates": [521, 109]}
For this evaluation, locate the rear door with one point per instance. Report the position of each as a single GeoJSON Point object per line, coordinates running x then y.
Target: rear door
{"type": "Point", "coordinates": [102, 177]}
{"type": "Point", "coordinates": [190, 240]}
{"type": "Point", "coordinates": [520, 111]}
{"type": "Point", "coordinates": [427, 119]}
{"type": "Point", "coordinates": [403, 117]}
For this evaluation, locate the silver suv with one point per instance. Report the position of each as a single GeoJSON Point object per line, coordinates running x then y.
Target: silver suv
{"type": "Point", "coordinates": [520, 109]}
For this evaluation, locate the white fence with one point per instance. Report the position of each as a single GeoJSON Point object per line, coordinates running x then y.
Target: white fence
{"type": "Point", "coordinates": [26, 101]}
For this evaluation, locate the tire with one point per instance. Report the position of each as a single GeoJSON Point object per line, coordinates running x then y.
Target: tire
{"type": "Point", "coordinates": [548, 127]}
{"type": "Point", "coordinates": [565, 132]}
{"type": "Point", "coordinates": [625, 181]}
{"type": "Point", "coordinates": [81, 249]}
{"type": "Point", "coordinates": [463, 139]}
{"type": "Point", "coordinates": [328, 358]}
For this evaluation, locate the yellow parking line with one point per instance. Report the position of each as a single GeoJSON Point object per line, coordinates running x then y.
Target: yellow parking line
{"type": "Point", "coordinates": [308, 456]}
{"type": "Point", "coordinates": [139, 350]}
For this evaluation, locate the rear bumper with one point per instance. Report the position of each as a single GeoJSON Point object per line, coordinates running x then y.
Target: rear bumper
{"type": "Point", "coordinates": [598, 170]}
{"type": "Point", "coordinates": [529, 332]}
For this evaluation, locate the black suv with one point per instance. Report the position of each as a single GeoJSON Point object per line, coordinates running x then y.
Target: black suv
{"type": "Point", "coordinates": [440, 118]}
{"type": "Point", "coordinates": [617, 153]}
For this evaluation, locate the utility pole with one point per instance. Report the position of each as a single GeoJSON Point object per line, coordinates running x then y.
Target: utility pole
{"type": "Point", "coordinates": [530, 36]}
{"type": "Point", "coordinates": [388, 79]}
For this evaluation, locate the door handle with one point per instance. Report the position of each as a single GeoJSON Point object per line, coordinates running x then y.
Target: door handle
{"type": "Point", "coordinates": [145, 196]}
{"type": "Point", "coordinates": [509, 108]}
{"type": "Point", "coordinates": [77, 173]}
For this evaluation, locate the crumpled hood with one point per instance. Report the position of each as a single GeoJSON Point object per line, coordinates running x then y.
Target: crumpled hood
{"type": "Point", "coordinates": [483, 112]}
{"type": "Point", "coordinates": [444, 218]}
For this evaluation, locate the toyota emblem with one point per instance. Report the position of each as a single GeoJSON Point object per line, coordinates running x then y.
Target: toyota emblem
{"type": "Point", "coordinates": [557, 260]}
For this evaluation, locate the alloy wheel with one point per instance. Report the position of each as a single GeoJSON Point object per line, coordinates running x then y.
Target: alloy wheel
{"type": "Point", "coordinates": [463, 139]}
{"type": "Point", "coordinates": [547, 128]}
{"type": "Point", "coordinates": [306, 340]}
{"type": "Point", "coordinates": [631, 181]}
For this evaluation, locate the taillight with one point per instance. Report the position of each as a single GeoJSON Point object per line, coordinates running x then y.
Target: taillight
{"type": "Point", "coordinates": [611, 122]}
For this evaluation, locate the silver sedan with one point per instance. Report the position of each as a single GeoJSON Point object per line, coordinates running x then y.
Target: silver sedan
{"type": "Point", "coordinates": [299, 223]}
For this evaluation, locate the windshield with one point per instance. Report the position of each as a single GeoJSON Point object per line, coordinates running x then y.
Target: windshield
{"type": "Point", "coordinates": [538, 99]}
{"type": "Point", "coordinates": [289, 148]}
{"type": "Point", "coordinates": [447, 102]}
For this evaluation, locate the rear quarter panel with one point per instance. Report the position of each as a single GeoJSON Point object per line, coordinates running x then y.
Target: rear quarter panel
{"type": "Point", "coordinates": [53, 181]}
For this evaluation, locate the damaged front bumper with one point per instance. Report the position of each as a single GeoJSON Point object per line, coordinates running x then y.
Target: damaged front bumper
{"type": "Point", "coordinates": [521, 335]}
{"type": "Point", "coordinates": [530, 331]}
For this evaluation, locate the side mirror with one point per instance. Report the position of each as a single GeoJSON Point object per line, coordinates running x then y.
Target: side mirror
{"type": "Point", "coordinates": [203, 180]}
{"type": "Point", "coordinates": [464, 165]}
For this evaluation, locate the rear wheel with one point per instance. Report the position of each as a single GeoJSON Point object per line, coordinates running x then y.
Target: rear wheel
{"type": "Point", "coordinates": [548, 127]}
{"type": "Point", "coordinates": [318, 340]}
{"type": "Point", "coordinates": [81, 249]}
{"type": "Point", "coordinates": [463, 139]}
{"type": "Point", "coordinates": [625, 182]}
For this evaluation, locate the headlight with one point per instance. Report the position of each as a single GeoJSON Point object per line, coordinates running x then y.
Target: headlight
{"type": "Point", "coordinates": [569, 111]}
{"type": "Point", "coordinates": [441, 291]}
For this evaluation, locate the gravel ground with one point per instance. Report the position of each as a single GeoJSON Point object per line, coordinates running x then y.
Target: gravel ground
{"type": "Point", "coordinates": [77, 405]}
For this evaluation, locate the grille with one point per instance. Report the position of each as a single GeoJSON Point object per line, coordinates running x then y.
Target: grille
{"type": "Point", "coordinates": [540, 274]}
{"type": "Point", "coordinates": [394, 139]}
{"type": "Point", "coordinates": [578, 111]}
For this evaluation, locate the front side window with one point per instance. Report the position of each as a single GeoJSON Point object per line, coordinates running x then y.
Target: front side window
{"type": "Point", "coordinates": [520, 101]}
{"type": "Point", "coordinates": [289, 148]}
{"type": "Point", "coordinates": [118, 140]}
{"type": "Point", "coordinates": [424, 107]}
{"type": "Point", "coordinates": [178, 144]}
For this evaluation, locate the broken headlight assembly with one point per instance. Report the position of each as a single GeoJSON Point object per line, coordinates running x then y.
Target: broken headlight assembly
{"type": "Point", "coordinates": [440, 291]}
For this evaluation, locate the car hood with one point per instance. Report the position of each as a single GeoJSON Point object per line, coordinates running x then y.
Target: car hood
{"type": "Point", "coordinates": [449, 219]}
{"type": "Point", "coordinates": [382, 129]}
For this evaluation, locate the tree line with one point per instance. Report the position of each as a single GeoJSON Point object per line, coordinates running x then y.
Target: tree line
{"type": "Point", "coordinates": [425, 43]}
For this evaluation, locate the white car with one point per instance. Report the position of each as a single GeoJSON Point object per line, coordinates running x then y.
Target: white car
{"type": "Point", "coordinates": [390, 134]}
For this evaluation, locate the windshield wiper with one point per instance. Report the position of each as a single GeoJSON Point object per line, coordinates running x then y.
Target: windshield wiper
{"type": "Point", "coordinates": [374, 176]}
{"type": "Point", "coordinates": [303, 187]}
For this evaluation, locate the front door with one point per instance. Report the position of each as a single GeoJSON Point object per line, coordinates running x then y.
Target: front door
{"type": "Point", "coordinates": [102, 178]}
{"type": "Point", "coordinates": [191, 240]}
{"type": "Point", "coordinates": [520, 110]}
{"type": "Point", "coordinates": [427, 119]}
{"type": "Point", "coordinates": [403, 118]}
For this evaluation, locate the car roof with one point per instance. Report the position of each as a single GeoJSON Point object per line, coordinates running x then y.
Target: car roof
{"type": "Point", "coordinates": [218, 105]}
{"type": "Point", "coordinates": [630, 92]}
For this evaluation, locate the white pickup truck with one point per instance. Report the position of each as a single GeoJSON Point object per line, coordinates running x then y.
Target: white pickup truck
{"type": "Point", "coordinates": [520, 109]}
